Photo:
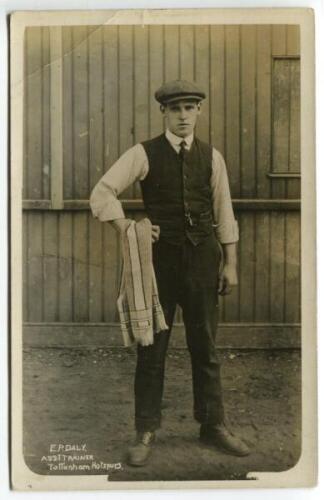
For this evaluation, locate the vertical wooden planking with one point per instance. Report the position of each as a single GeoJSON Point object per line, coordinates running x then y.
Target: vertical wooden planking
{"type": "Point", "coordinates": [156, 64]}
{"type": "Point", "coordinates": [112, 128]}
{"type": "Point", "coordinates": [230, 304]}
{"type": "Point", "coordinates": [248, 111]}
{"type": "Point", "coordinates": [294, 126]}
{"type": "Point", "coordinates": [263, 110]}
{"type": "Point", "coordinates": [65, 273]}
{"type": "Point", "coordinates": [126, 93]}
{"type": "Point", "coordinates": [247, 267]}
{"type": "Point", "coordinates": [171, 52]}
{"type": "Point", "coordinates": [286, 109]}
{"type": "Point", "coordinates": [56, 107]}
{"type": "Point", "coordinates": [96, 111]}
{"type": "Point", "coordinates": [25, 117]}
{"type": "Point", "coordinates": [293, 40]}
{"type": "Point", "coordinates": [232, 117]}
{"type": "Point", "coordinates": [68, 126]}
{"type": "Point", "coordinates": [35, 267]}
{"type": "Point", "coordinates": [96, 84]}
{"type": "Point", "coordinates": [141, 83]}
{"type": "Point", "coordinates": [278, 48]}
{"type": "Point", "coordinates": [217, 87]}
{"type": "Point", "coordinates": [95, 270]}
{"type": "Point", "coordinates": [279, 40]}
{"type": "Point", "coordinates": [141, 90]}
{"type": "Point", "coordinates": [25, 245]}
{"type": "Point", "coordinates": [80, 267]}
{"type": "Point", "coordinates": [81, 172]}
{"type": "Point", "coordinates": [277, 273]}
{"type": "Point", "coordinates": [110, 272]}
{"type": "Point", "coordinates": [111, 96]}
{"type": "Point", "coordinates": [262, 266]}
{"type": "Point", "coordinates": [281, 101]}
{"type": "Point", "coordinates": [50, 266]}
{"type": "Point", "coordinates": [292, 268]}
{"type": "Point", "coordinates": [186, 44]}
{"type": "Point", "coordinates": [269, 259]}
{"type": "Point", "coordinates": [202, 77]}
{"type": "Point", "coordinates": [80, 113]}
{"type": "Point", "coordinates": [293, 190]}
{"type": "Point", "coordinates": [46, 118]}
{"type": "Point", "coordinates": [34, 122]}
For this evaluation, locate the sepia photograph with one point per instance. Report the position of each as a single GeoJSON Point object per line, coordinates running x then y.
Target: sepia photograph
{"type": "Point", "coordinates": [162, 201]}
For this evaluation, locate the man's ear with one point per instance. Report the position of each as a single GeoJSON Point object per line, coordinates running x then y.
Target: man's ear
{"type": "Point", "coordinates": [199, 107]}
{"type": "Point", "coordinates": [162, 109]}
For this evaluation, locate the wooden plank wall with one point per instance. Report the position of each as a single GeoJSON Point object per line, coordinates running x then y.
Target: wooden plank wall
{"type": "Point", "coordinates": [72, 269]}
{"type": "Point", "coordinates": [71, 261]}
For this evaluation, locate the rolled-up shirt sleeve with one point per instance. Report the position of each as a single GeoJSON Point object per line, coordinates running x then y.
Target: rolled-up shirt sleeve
{"type": "Point", "coordinates": [225, 224]}
{"type": "Point", "coordinates": [132, 166]}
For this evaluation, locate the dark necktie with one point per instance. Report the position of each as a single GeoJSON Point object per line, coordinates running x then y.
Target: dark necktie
{"type": "Point", "coordinates": [183, 150]}
{"type": "Point", "coordinates": [182, 154]}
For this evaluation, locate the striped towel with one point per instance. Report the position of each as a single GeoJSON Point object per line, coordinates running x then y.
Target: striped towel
{"type": "Point", "coordinates": [139, 309]}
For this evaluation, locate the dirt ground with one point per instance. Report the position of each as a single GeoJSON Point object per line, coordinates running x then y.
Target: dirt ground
{"type": "Point", "coordinates": [84, 398]}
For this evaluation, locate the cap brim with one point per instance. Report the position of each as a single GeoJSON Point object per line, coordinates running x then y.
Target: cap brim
{"type": "Point", "coordinates": [189, 97]}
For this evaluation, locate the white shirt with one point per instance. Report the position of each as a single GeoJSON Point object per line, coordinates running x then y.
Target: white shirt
{"type": "Point", "coordinates": [133, 166]}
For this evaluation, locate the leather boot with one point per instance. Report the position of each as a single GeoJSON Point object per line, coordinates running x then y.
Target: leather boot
{"type": "Point", "coordinates": [223, 439]}
{"type": "Point", "coordinates": [138, 454]}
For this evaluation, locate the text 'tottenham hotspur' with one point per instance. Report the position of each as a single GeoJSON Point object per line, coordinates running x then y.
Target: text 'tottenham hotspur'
{"type": "Point", "coordinates": [75, 457]}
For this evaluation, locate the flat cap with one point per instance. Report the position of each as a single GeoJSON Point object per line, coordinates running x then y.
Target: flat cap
{"type": "Point", "coordinates": [179, 89]}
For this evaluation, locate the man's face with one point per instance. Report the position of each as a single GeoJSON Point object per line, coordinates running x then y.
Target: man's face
{"type": "Point", "coordinates": [181, 116]}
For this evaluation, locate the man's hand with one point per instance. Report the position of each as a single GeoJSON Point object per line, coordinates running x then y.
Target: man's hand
{"type": "Point", "coordinates": [121, 225]}
{"type": "Point", "coordinates": [227, 279]}
{"type": "Point", "coordinates": [155, 233]}
{"type": "Point", "coordinates": [228, 275]}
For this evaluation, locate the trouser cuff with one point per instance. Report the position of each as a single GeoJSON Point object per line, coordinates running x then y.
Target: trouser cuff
{"type": "Point", "coordinates": [144, 425]}
{"type": "Point", "coordinates": [206, 418]}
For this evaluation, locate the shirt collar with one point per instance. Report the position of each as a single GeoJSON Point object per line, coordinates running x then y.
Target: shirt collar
{"type": "Point", "coordinates": [175, 140]}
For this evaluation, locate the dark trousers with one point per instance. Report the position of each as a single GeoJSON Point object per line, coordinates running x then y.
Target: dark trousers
{"type": "Point", "coordinates": [186, 275]}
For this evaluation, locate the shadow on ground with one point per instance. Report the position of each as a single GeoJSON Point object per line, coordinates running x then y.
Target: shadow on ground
{"type": "Point", "coordinates": [85, 398]}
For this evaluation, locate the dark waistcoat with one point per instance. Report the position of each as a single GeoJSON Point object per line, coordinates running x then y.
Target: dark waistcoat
{"type": "Point", "coordinates": [176, 192]}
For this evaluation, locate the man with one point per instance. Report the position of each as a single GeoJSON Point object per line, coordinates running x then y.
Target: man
{"type": "Point", "coordinates": [187, 198]}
